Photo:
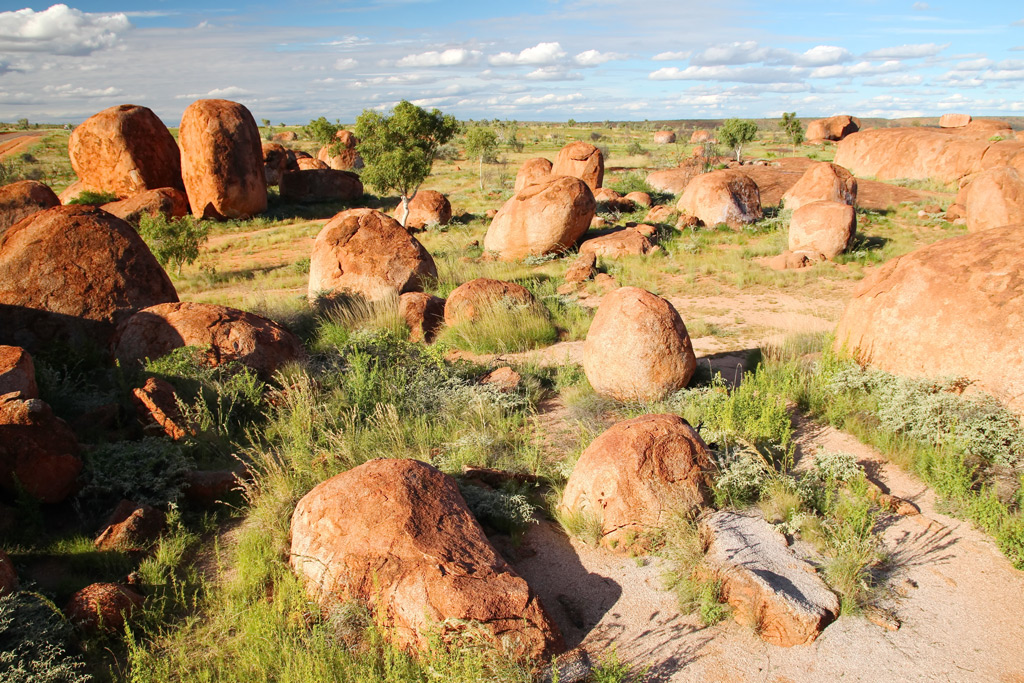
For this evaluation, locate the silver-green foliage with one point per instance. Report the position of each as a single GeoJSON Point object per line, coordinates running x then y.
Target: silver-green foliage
{"type": "Point", "coordinates": [33, 642]}
{"type": "Point", "coordinates": [505, 510]}
{"type": "Point", "coordinates": [150, 471]}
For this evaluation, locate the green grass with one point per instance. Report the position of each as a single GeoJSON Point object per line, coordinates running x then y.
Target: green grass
{"type": "Point", "coordinates": [504, 327]}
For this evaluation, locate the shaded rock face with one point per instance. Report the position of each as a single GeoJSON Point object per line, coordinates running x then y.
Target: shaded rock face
{"type": "Point", "coordinates": [664, 137]}
{"type": "Point", "coordinates": [206, 488]}
{"type": "Point", "coordinates": [72, 273]}
{"type": "Point", "coordinates": [428, 207]}
{"type": "Point", "coordinates": [768, 587]}
{"type": "Point", "coordinates": [17, 372]}
{"type": "Point", "coordinates": [832, 128]}
{"type": "Point", "coordinates": [222, 160]}
{"type": "Point", "coordinates": [468, 301]}
{"type": "Point", "coordinates": [637, 474]}
{"type": "Point", "coordinates": [131, 527]}
{"type": "Point", "coordinates": [8, 577]}
{"type": "Point", "coordinates": [922, 153]}
{"type": "Point", "coordinates": [625, 242]}
{"type": "Point", "coordinates": [22, 199]}
{"type": "Point", "coordinates": [320, 185]}
{"type": "Point", "coordinates": [727, 196]}
{"type": "Point", "coordinates": [672, 180]}
{"type": "Point", "coordinates": [363, 251]}
{"type": "Point", "coordinates": [125, 150]}
{"type": "Point", "coordinates": [911, 315]}
{"type": "Point", "coordinates": [581, 160]}
{"type": "Point", "coordinates": [954, 120]}
{"type": "Point", "coordinates": [398, 535]}
{"type": "Point", "coordinates": [102, 607]}
{"type": "Point", "coordinates": [825, 228]}
{"type": "Point", "coordinates": [995, 197]}
{"type": "Point", "coordinates": [546, 217]}
{"type": "Point", "coordinates": [227, 334]}
{"type": "Point", "coordinates": [637, 348]}
{"type": "Point", "coordinates": [38, 451]}
{"type": "Point", "coordinates": [423, 313]}
{"type": "Point", "coordinates": [822, 181]}
{"type": "Point", "coordinates": [166, 201]}
{"type": "Point", "coordinates": [275, 162]}
{"type": "Point", "coordinates": [531, 171]}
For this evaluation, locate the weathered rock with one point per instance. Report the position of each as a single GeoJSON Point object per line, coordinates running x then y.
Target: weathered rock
{"type": "Point", "coordinates": [673, 180]}
{"type": "Point", "coordinates": [311, 164]}
{"type": "Point", "coordinates": [125, 150]}
{"type": "Point", "coordinates": [346, 159]}
{"type": "Point", "coordinates": [17, 372]}
{"type": "Point", "coordinates": [71, 192]}
{"type": "Point", "coordinates": [822, 181]}
{"type": "Point", "coordinates": [995, 197]}
{"type": "Point", "coordinates": [661, 213]}
{"type": "Point", "coordinates": [275, 162]}
{"type": "Point", "coordinates": [531, 171]}
{"type": "Point", "coordinates": [38, 451]}
{"type": "Point", "coordinates": [504, 379]}
{"type": "Point", "coordinates": [398, 535]}
{"type": "Point", "coordinates": [73, 273]}
{"type": "Point", "coordinates": [664, 137]}
{"type": "Point", "coordinates": [954, 120]}
{"type": "Point", "coordinates": [823, 227]}
{"type": "Point", "coordinates": [22, 199]}
{"type": "Point", "coordinates": [832, 128]}
{"type": "Point", "coordinates": [207, 488]}
{"type": "Point", "coordinates": [640, 199]}
{"type": "Point", "coordinates": [581, 160]}
{"type": "Point", "coordinates": [606, 283]}
{"type": "Point", "coordinates": [157, 406]}
{"type": "Point", "coordinates": [625, 242]}
{"type": "Point", "coordinates": [637, 348]}
{"type": "Point", "coordinates": [320, 185]}
{"type": "Point", "coordinates": [700, 136]}
{"type": "Point", "coordinates": [428, 207]}
{"type": "Point", "coordinates": [546, 217]}
{"type": "Point", "coordinates": [911, 315]}
{"type": "Point", "coordinates": [423, 313]}
{"type": "Point", "coordinates": [727, 196]}
{"type": "Point", "coordinates": [645, 229]}
{"type": "Point", "coordinates": [468, 301]}
{"type": "Point", "coordinates": [131, 527]}
{"type": "Point", "coordinates": [285, 136]}
{"type": "Point", "coordinates": [8, 577]}
{"type": "Point", "coordinates": [790, 260]}
{"type": "Point", "coordinates": [222, 160]}
{"type": "Point", "coordinates": [767, 586]}
{"type": "Point", "coordinates": [226, 334]}
{"type": "Point", "coordinates": [582, 269]}
{"type": "Point", "coordinates": [102, 607]}
{"type": "Point", "coordinates": [362, 251]}
{"type": "Point", "coordinates": [637, 474]}
{"type": "Point", "coordinates": [168, 201]}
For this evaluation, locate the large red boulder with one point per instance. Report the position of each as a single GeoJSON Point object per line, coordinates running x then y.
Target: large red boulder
{"type": "Point", "coordinates": [102, 608]}
{"type": "Point", "coordinates": [995, 197]}
{"type": "Point", "coordinates": [727, 196]}
{"type": "Point", "coordinates": [74, 273]}
{"type": "Point", "coordinates": [581, 160]}
{"type": "Point", "coordinates": [362, 251]}
{"type": "Point", "coordinates": [954, 120]}
{"type": "Point", "coordinates": [17, 372]}
{"type": "Point", "coordinates": [38, 451]}
{"type": "Point", "coordinates": [548, 216]}
{"type": "Point", "coordinates": [226, 334]}
{"type": "Point", "coordinates": [953, 308]}
{"type": "Point", "coordinates": [320, 185]}
{"type": "Point", "coordinates": [825, 228]}
{"type": "Point", "coordinates": [165, 201]}
{"type": "Point", "coordinates": [275, 162]}
{"type": "Point", "coordinates": [398, 535]}
{"type": "Point", "coordinates": [832, 128]}
{"type": "Point", "coordinates": [637, 347]}
{"type": "Point", "coordinates": [468, 301]}
{"type": "Point", "coordinates": [822, 181]}
{"type": "Point", "coordinates": [427, 207]}
{"type": "Point", "coordinates": [531, 171]}
{"type": "Point", "coordinates": [22, 199]}
{"type": "Point", "coordinates": [125, 150]}
{"type": "Point", "coordinates": [637, 475]}
{"type": "Point", "coordinates": [222, 160]}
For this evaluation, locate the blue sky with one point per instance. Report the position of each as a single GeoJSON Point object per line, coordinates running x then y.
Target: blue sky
{"type": "Point", "coordinates": [529, 60]}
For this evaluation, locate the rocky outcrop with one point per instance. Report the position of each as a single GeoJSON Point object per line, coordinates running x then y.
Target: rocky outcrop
{"type": "Point", "coordinates": [832, 128]}
{"type": "Point", "coordinates": [727, 196]}
{"type": "Point", "coordinates": [17, 372]}
{"type": "Point", "coordinates": [531, 171]}
{"type": "Point", "coordinates": [995, 197]}
{"type": "Point", "coordinates": [636, 475]}
{"type": "Point", "coordinates": [468, 301]}
{"type": "Point", "coordinates": [822, 181]}
{"type": "Point", "coordinates": [953, 308]}
{"type": "Point", "coordinates": [165, 201]}
{"type": "Point", "coordinates": [362, 251]}
{"type": "Point", "coordinates": [581, 160]}
{"type": "Point", "coordinates": [320, 185]}
{"type": "Point", "coordinates": [546, 217]}
{"type": "Point", "coordinates": [825, 228]}
{"type": "Point", "coordinates": [428, 207]}
{"type": "Point", "coordinates": [398, 535]}
{"type": "Point", "coordinates": [22, 199]}
{"type": "Point", "coordinates": [222, 160]}
{"type": "Point", "coordinates": [637, 348]}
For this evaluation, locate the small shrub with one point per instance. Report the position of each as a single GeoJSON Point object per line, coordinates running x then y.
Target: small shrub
{"type": "Point", "coordinates": [150, 471]}
{"type": "Point", "coordinates": [689, 577]}
{"type": "Point", "coordinates": [34, 641]}
{"type": "Point", "coordinates": [635, 148]}
{"type": "Point", "coordinates": [93, 198]}
{"type": "Point", "coordinates": [506, 509]}
{"type": "Point", "coordinates": [173, 241]}
{"type": "Point", "coordinates": [581, 524]}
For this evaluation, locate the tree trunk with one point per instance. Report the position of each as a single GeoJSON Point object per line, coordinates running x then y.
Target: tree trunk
{"type": "Point", "coordinates": [481, 171]}
{"type": "Point", "coordinates": [405, 207]}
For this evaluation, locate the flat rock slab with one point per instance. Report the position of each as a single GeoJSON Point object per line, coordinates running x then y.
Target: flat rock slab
{"type": "Point", "coordinates": [768, 587]}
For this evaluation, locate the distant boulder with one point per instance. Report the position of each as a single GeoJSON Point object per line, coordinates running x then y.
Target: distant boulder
{"type": "Point", "coordinates": [954, 120]}
{"type": "Point", "coordinates": [428, 207]}
{"type": "Point", "coordinates": [833, 128]}
{"type": "Point", "coordinates": [664, 137]}
{"type": "Point", "coordinates": [320, 185]}
{"type": "Point", "coordinates": [727, 196]}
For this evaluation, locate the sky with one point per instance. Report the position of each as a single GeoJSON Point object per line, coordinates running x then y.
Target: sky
{"type": "Point", "coordinates": [532, 60]}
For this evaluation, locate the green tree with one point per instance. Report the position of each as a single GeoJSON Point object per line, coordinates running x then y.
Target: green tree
{"type": "Point", "coordinates": [481, 143]}
{"type": "Point", "coordinates": [173, 241]}
{"type": "Point", "coordinates": [735, 133]}
{"type": "Point", "coordinates": [266, 123]}
{"type": "Point", "coordinates": [321, 130]}
{"type": "Point", "coordinates": [571, 122]}
{"type": "Point", "coordinates": [791, 126]}
{"type": "Point", "coordinates": [398, 150]}
{"type": "Point", "coordinates": [23, 124]}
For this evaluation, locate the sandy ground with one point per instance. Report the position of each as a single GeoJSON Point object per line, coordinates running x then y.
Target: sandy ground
{"type": "Point", "coordinates": [959, 602]}
{"type": "Point", "coordinates": [15, 143]}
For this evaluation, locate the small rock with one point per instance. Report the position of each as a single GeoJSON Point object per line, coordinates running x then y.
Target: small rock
{"type": "Point", "coordinates": [504, 379]}
{"type": "Point", "coordinates": [882, 618]}
{"type": "Point", "coordinates": [102, 607]}
{"type": "Point", "coordinates": [606, 283]}
{"type": "Point", "coordinates": [131, 527]}
{"type": "Point", "coordinates": [582, 269]}
{"type": "Point", "coordinates": [157, 407]}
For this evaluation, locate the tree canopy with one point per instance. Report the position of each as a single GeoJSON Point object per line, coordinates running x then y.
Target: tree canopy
{"type": "Point", "coordinates": [481, 143]}
{"type": "Point", "coordinates": [735, 133]}
{"type": "Point", "coordinates": [791, 126]}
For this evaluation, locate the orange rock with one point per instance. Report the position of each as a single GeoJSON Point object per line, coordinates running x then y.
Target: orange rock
{"type": "Point", "coordinates": [320, 185]}
{"type": "Point", "coordinates": [504, 379]}
{"type": "Point", "coordinates": [17, 372]}
{"type": "Point", "coordinates": [165, 201]}
{"type": "Point", "coordinates": [672, 180]}
{"type": "Point", "coordinates": [625, 242]}
{"type": "Point", "coordinates": [637, 348]}
{"type": "Point", "coordinates": [344, 160]}
{"type": "Point", "coordinates": [285, 136]}
{"type": "Point", "coordinates": [275, 162]}
{"type": "Point", "coordinates": [827, 228]}
{"type": "Point", "coordinates": [428, 207]}
{"type": "Point", "coordinates": [664, 137]}
{"type": "Point", "coordinates": [822, 181]}
{"type": "Point", "coordinates": [398, 535]}
{"type": "Point", "coordinates": [995, 197]}
{"type": "Point", "coordinates": [639, 473]}
{"type": "Point", "coordinates": [954, 120]}
{"type": "Point", "coordinates": [468, 301]}
{"type": "Point", "coordinates": [660, 213]}
{"type": "Point", "coordinates": [222, 160]}
{"type": "Point", "coordinates": [22, 199]}
{"type": "Point", "coordinates": [131, 527]}
{"type": "Point", "coordinates": [581, 160]}
{"type": "Point", "coordinates": [531, 171]}
{"type": "Point", "coordinates": [640, 199]}
{"type": "Point", "coordinates": [157, 406]}
{"type": "Point", "coordinates": [423, 313]}
{"type": "Point", "coordinates": [37, 449]}
{"type": "Point", "coordinates": [125, 150]}
{"type": "Point", "coordinates": [582, 269]}
{"type": "Point", "coordinates": [832, 128]}
{"type": "Point", "coordinates": [102, 607]}
{"type": "Point", "coordinates": [701, 136]}
{"type": "Point", "coordinates": [546, 217]}
{"type": "Point", "coordinates": [727, 196]}
{"type": "Point", "coordinates": [310, 164]}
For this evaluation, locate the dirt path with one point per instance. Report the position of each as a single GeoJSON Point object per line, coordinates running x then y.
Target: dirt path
{"type": "Point", "coordinates": [15, 143]}
{"type": "Point", "coordinates": [958, 599]}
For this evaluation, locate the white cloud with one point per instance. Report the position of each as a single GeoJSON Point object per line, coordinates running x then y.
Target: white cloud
{"type": "Point", "coordinates": [452, 57]}
{"type": "Point", "coordinates": [672, 56]}
{"type": "Point", "coordinates": [897, 81]}
{"type": "Point", "coordinates": [749, 52]}
{"type": "Point", "coordinates": [542, 53]}
{"type": "Point", "coordinates": [596, 58]}
{"type": "Point", "coordinates": [974, 65]}
{"type": "Point", "coordinates": [921, 6]}
{"type": "Point", "coordinates": [858, 69]}
{"type": "Point", "coordinates": [724, 73]}
{"type": "Point", "coordinates": [69, 91]}
{"type": "Point", "coordinates": [550, 98]}
{"type": "Point", "coordinates": [345, 64]}
{"type": "Point", "coordinates": [553, 73]}
{"type": "Point", "coordinates": [60, 30]}
{"type": "Point", "coordinates": [217, 93]}
{"type": "Point", "coordinates": [906, 51]}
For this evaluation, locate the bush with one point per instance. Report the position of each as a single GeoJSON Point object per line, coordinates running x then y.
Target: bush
{"type": "Point", "coordinates": [150, 471]}
{"type": "Point", "coordinates": [507, 509]}
{"type": "Point", "coordinates": [92, 198]}
{"type": "Point", "coordinates": [173, 241]}
{"type": "Point", "coordinates": [33, 642]}
{"type": "Point", "coordinates": [635, 148]}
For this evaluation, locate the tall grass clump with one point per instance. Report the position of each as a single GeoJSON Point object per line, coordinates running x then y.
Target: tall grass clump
{"type": "Point", "coordinates": [503, 327]}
